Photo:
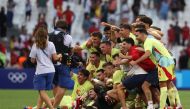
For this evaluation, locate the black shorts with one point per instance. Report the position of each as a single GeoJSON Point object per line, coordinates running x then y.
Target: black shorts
{"type": "Point", "coordinates": [134, 81]}
{"type": "Point", "coordinates": [62, 77]}
{"type": "Point", "coordinates": [152, 78]}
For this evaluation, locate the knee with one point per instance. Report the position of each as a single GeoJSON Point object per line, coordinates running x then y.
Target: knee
{"type": "Point", "coordinates": [145, 86]}
{"type": "Point", "coordinates": [62, 91]}
{"type": "Point", "coordinates": [120, 87]}
{"type": "Point", "coordinates": [163, 84]}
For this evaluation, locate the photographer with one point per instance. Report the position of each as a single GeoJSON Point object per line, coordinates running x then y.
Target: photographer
{"type": "Point", "coordinates": [62, 42]}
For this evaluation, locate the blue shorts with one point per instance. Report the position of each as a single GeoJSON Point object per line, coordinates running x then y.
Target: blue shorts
{"type": "Point", "coordinates": [43, 81]}
{"type": "Point", "coordinates": [62, 77]}
{"type": "Point", "coordinates": [152, 78]}
{"type": "Point", "coordinates": [134, 81]}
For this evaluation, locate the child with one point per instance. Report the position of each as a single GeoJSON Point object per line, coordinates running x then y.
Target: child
{"type": "Point", "coordinates": [42, 53]}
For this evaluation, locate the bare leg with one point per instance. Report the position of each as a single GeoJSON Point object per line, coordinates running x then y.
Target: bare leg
{"type": "Point", "coordinates": [39, 102]}
{"type": "Point", "coordinates": [58, 96]}
{"type": "Point", "coordinates": [55, 90]}
{"type": "Point", "coordinates": [146, 90]}
{"type": "Point", "coordinates": [121, 95]}
{"type": "Point", "coordinates": [155, 95]}
{"type": "Point", "coordinates": [45, 98]}
{"type": "Point", "coordinates": [113, 94]}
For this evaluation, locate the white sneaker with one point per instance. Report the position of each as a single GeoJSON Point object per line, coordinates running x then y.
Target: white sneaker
{"type": "Point", "coordinates": [150, 107]}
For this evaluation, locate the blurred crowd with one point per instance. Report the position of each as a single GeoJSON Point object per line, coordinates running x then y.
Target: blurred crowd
{"type": "Point", "coordinates": [19, 44]}
{"type": "Point", "coordinates": [180, 36]}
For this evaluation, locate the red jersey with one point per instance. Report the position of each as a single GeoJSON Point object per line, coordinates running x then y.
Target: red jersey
{"type": "Point", "coordinates": [185, 32]}
{"type": "Point", "coordinates": [171, 35]}
{"type": "Point", "coordinates": [59, 14]}
{"type": "Point", "coordinates": [2, 48]}
{"type": "Point", "coordinates": [188, 51]}
{"type": "Point", "coordinates": [69, 16]}
{"type": "Point", "coordinates": [57, 3]}
{"type": "Point", "coordinates": [93, 29]}
{"type": "Point", "coordinates": [146, 64]}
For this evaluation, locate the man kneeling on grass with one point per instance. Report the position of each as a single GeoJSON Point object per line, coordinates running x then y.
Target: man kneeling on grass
{"type": "Point", "coordinates": [81, 87]}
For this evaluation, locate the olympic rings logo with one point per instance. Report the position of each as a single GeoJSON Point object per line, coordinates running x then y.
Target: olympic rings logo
{"type": "Point", "coordinates": [17, 77]}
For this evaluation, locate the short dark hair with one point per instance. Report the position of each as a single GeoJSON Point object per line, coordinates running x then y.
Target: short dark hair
{"type": "Point", "coordinates": [126, 26]}
{"type": "Point", "coordinates": [171, 25]}
{"type": "Point", "coordinates": [68, 7]}
{"type": "Point", "coordinates": [140, 16]}
{"type": "Point", "coordinates": [129, 40]}
{"type": "Point", "coordinates": [115, 55]}
{"type": "Point", "coordinates": [86, 14]}
{"type": "Point", "coordinates": [141, 30]}
{"type": "Point", "coordinates": [100, 70]}
{"type": "Point", "coordinates": [106, 42]}
{"type": "Point", "coordinates": [61, 24]}
{"type": "Point", "coordinates": [96, 34]}
{"type": "Point", "coordinates": [85, 72]}
{"type": "Point", "coordinates": [107, 64]}
{"type": "Point", "coordinates": [107, 28]}
{"type": "Point", "coordinates": [140, 25]}
{"type": "Point", "coordinates": [146, 20]}
{"type": "Point", "coordinates": [96, 53]}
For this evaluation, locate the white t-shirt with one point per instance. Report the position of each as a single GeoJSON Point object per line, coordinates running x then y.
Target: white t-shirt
{"type": "Point", "coordinates": [67, 39]}
{"type": "Point", "coordinates": [136, 70]}
{"type": "Point", "coordinates": [44, 63]}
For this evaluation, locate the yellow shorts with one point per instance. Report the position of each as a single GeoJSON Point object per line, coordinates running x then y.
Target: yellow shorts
{"type": "Point", "coordinates": [166, 73]}
{"type": "Point", "coordinates": [66, 101]}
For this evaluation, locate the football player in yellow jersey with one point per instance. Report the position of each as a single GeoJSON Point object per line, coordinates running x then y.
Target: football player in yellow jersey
{"type": "Point", "coordinates": [126, 31]}
{"type": "Point", "coordinates": [108, 51]}
{"type": "Point", "coordinates": [81, 87]}
{"type": "Point", "coordinates": [101, 75]}
{"type": "Point", "coordinates": [164, 60]}
{"type": "Point", "coordinates": [92, 45]}
{"type": "Point", "coordinates": [147, 21]}
{"type": "Point", "coordinates": [94, 64]}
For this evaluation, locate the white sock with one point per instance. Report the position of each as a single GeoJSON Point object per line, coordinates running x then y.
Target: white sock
{"type": "Point", "coordinates": [150, 103]}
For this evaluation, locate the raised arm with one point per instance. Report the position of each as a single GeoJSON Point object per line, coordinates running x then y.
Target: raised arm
{"type": "Point", "coordinates": [143, 57]}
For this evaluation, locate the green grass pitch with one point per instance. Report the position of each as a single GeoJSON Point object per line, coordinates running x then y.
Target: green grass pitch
{"type": "Point", "coordinates": [18, 99]}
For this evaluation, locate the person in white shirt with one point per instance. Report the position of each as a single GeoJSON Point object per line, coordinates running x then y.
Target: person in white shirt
{"type": "Point", "coordinates": [42, 53]}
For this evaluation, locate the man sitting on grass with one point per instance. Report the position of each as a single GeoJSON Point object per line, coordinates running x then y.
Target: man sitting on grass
{"type": "Point", "coordinates": [81, 87]}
